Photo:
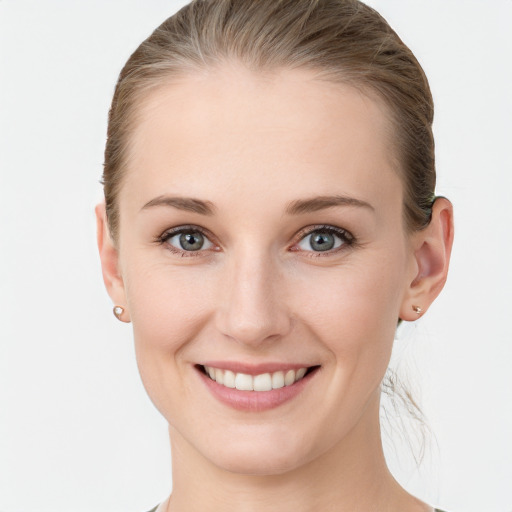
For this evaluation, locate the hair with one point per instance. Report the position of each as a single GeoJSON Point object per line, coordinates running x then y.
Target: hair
{"type": "Point", "coordinates": [343, 41]}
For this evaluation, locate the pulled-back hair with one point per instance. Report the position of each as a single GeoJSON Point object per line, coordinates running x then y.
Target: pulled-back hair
{"type": "Point", "coordinates": [343, 41]}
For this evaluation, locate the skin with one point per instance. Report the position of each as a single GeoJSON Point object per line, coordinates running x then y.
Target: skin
{"type": "Point", "coordinates": [251, 145]}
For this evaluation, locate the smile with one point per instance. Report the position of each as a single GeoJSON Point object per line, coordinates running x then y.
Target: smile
{"type": "Point", "coordinates": [261, 382]}
{"type": "Point", "coordinates": [255, 388]}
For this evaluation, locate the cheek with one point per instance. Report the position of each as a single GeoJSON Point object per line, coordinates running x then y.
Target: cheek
{"type": "Point", "coordinates": [167, 304]}
{"type": "Point", "coordinates": [168, 309]}
{"type": "Point", "coordinates": [354, 309]}
{"type": "Point", "coordinates": [353, 313]}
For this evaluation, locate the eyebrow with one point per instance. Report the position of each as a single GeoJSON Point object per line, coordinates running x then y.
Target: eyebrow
{"type": "Point", "coordinates": [297, 207]}
{"type": "Point", "coordinates": [188, 204]}
{"type": "Point", "coordinates": [315, 204]}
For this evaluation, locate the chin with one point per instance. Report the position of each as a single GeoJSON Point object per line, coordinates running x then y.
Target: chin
{"type": "Point", "coordinates": [260, 458]}
{"type": "Point", "coordinates": [249, 464]}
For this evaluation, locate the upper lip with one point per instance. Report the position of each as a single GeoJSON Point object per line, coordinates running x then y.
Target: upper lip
{"type": "Point", "coordinates": [255, 369]}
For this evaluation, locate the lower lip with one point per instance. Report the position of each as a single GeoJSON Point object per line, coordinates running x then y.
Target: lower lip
{"type": "Point", "coordinates": [255, 401]}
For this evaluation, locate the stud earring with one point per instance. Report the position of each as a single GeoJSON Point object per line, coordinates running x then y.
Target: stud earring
{"type": "Point", "coordinates": [417, 310]}
{"type": "Point", "coordinates": [118, 311]}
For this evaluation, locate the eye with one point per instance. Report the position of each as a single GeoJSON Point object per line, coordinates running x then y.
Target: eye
{"type": "Point", "coordinates": [324, 239]}
{"type": "Point", "coordinates": [186, 239]}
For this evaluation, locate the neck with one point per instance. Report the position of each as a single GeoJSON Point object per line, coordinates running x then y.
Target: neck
{"type": "Point", "coordinates": [352, 476]}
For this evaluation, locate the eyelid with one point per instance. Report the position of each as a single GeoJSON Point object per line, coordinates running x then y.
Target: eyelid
{"type": "Point", "coordinates": [346, 237]}
{"type": "Point", "coordinates": [186, 228]}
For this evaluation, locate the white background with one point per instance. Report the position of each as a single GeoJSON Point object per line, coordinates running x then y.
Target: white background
{"type": "Point", "coordinates": [76, 430]}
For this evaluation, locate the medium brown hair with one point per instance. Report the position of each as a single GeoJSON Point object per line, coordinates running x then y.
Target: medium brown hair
{"type": "Point", "coordinates": [343, 41]}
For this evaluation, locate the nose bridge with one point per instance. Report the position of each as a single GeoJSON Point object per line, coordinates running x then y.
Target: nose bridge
{"type": "Point", "coordinates": [254, 310]}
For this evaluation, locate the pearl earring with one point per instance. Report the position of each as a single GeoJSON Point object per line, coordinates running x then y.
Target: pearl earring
{"type": "Point", "coordinates": [118, 311]}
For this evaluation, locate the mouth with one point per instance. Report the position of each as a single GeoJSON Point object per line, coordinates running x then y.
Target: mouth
{"type": "Point", "coordinates": [257, 388]}
{"type": "Point", "coordinates": [260, 382]}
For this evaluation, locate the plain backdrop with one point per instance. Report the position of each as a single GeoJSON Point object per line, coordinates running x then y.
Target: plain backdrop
{"type": "Point", "coordinates": [77, 432]}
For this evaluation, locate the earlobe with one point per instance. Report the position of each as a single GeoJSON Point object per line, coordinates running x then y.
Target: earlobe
{"type": "Point", "coordinates": [109, 257]}
{"type": "Point", "coordinates": [433, 247]}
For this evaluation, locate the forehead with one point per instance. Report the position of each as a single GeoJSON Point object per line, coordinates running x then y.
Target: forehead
{"type": "Point", "coordinates": [235, 128]}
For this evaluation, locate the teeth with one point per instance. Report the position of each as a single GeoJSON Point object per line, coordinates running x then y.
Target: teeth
{"type": "Point", "coordinates": [229, 379]}
{"type": "Point", "coordinates": [219, 376]}
{"type": "Point", "coordinates": [289, 378]}
{"type": "Point", "coordinates": [242, 381]}
{"type": "Point", "coordinates": [300, 373]}
{"type": "Point", "coordinates": [277, 380]}
{"type": "Point", "coordinates": [262, 382]}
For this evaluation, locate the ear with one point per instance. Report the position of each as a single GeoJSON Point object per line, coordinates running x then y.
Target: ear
{"type": "Point", "coordinates": [109, 257]}
{"type": "Point", "coordinates": [432, 249]}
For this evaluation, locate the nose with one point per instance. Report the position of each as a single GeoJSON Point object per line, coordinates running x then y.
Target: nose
{"type": "Point", "coordinates": [253, 310]}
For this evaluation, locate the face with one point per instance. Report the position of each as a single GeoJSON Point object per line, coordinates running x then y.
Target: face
{"type": "Point", "coordinates": [262, 246]}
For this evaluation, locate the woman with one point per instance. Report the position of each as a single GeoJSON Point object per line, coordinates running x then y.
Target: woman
{"type": "Point", "coordinates": [269, 218]}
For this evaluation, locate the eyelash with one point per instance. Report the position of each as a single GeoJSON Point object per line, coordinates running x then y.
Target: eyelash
{"type": "Point", "coordinates": [347, 239]}
{"type": "Point", "coordinates": [167, 235]}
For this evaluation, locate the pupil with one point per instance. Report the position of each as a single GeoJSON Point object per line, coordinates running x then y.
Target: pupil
{"type": "Point", "coordinates": [191, 241]}
{"type": "Point", "coordinates": [322, 242]}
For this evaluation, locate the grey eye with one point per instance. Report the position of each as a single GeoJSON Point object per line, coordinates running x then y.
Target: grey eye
{"type": "Point", "coordinates": [189, 241]}
{"type": "Point", "coordinates": [320, 241]}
